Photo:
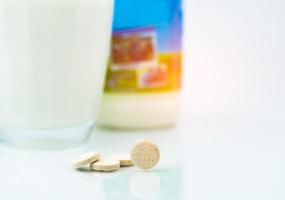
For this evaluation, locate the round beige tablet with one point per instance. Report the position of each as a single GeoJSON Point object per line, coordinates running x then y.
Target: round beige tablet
{"type": "Point", "coordinates": [145, 154]}
{"type": "Point", "coordinates": [124, 158]}
{"type": "Point", "coordinates": [106, 165]}
{"type": "Point", "coordinates": [86, 160]}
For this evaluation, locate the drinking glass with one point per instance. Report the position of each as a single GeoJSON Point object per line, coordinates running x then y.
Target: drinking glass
{"type": "Point", "coordinates": [53, 55]}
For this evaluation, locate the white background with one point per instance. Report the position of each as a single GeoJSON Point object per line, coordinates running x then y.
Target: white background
{"type": "Point", "coordinates": [234, 99]}
{"type": "Point", "coordinates": [235, 58]}
{"type": "Point", "coordinates": [232, 125]}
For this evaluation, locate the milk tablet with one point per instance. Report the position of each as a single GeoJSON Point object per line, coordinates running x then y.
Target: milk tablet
{"type": "Point", "coordinates": [105, 165]}
{"type": "Point", "coordinates": [124, 158]}
{"type": "Point", "coordinates": [145, 154]}
{"type": "Point", "coordinates": [87, 159]}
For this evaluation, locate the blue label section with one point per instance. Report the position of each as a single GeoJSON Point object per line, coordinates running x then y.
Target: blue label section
{"type": "Point", "coordinates": [165, 16]}
{"type": "Point", "coordinates": [140, 13]}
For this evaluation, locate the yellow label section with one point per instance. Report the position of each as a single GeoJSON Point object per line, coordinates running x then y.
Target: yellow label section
{"type": "Point", "coordinates": [159, 75]}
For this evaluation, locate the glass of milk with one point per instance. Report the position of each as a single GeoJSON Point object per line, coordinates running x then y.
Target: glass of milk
{"type": "Point", "coordinates": [53, 55]}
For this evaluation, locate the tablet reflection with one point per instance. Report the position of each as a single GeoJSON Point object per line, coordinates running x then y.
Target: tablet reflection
{"type": "Point", "coordinates": [135, 184]}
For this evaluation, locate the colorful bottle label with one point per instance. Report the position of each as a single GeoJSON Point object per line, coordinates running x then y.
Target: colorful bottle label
{"type": "Point", "coordinates": [147, 58]}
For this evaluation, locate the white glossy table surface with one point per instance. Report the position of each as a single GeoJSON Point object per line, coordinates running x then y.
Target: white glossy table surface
{"type": "Point", "coordinates": [49, 174]}
{"type": "Point", "coordinates": [201, 159]}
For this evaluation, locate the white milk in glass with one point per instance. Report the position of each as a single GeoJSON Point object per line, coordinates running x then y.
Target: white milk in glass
{"type": "Point", "coordinates": [53, 55]}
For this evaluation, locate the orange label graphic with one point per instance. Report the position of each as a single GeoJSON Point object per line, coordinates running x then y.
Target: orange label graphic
{"type": "Point", "coordinates": [137, 66]}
